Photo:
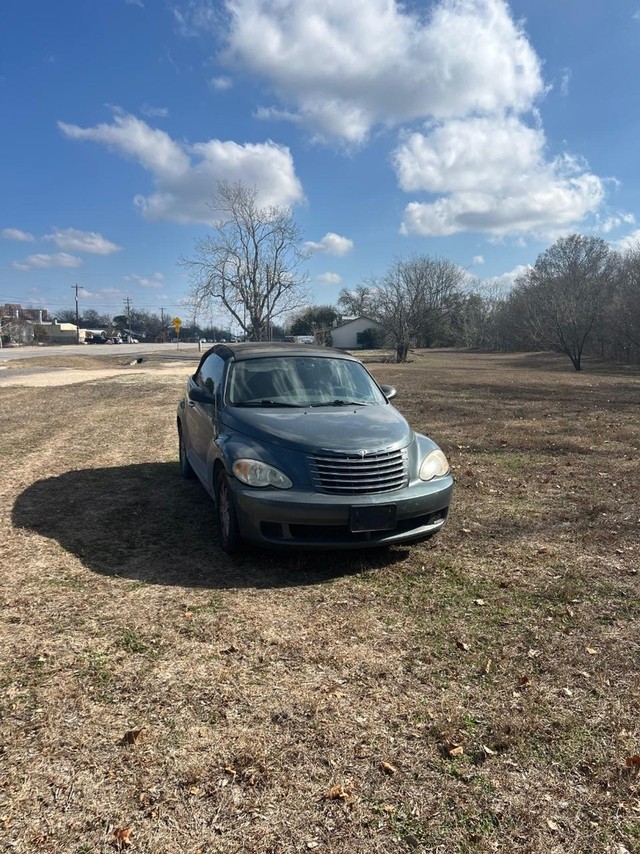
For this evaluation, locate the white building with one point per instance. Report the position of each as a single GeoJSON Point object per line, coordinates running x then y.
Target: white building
{"type": "Point", "coordinates": [347, 336]}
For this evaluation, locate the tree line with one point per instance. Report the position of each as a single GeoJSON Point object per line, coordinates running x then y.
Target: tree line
{"type": "Point", "coordinates": [581, 297]}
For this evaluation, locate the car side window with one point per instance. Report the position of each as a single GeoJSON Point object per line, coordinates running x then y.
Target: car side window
{"type": "Point", "coordinates": [211, 373]}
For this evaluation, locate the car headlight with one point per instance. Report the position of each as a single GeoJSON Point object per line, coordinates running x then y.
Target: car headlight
{"type": "Point", "coordinates": [256, 473]}
{"type": "Point", "coordinates": [433, 465]}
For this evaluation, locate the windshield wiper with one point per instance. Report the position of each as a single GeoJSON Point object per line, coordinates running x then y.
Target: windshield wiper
{"type": "Point", "coordinates": [341, 403]}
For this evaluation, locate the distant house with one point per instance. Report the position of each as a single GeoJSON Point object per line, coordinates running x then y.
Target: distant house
{"type": "Point", "coordinates": [352, 334]}
{"type": "Point", "coordinates": [17, 323]}
{"type": "Point", "coordinates": [61, 333]}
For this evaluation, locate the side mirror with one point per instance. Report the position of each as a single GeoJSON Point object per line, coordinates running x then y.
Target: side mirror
{"type": "Point", "coordinates": [389, 391]}
{"type": "Point", "coordinates": [201, 395]}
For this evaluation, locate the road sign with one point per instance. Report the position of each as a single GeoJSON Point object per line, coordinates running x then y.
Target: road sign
{"type": "Point", "coordinates": [176, 323]}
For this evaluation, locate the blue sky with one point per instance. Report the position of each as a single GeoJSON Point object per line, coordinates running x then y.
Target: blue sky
{"type": "Point", "coordinates": [476, 130]}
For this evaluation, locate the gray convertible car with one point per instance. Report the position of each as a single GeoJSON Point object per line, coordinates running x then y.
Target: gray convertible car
{"type": "Point", "coordinates": [299, 446]}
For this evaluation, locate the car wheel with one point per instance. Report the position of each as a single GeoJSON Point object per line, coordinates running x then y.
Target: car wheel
{"type": "Point", "coordinates": [185, 466]}
{"type": "Point", "coordinates": [228, 532]}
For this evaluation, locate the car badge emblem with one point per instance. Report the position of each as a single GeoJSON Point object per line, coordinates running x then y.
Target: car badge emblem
{"type": "Point", "coordinates": [362, 454]}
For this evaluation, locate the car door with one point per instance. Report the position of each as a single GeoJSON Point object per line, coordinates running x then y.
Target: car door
{"type": "Point", "coordinates": [202, 418]}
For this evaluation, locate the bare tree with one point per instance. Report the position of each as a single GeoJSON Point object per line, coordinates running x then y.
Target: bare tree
{"type": "Point", "coordinates": [413, 299]}
{"type": "Point", "coordinates": [565, 293]}
{"type": "Point", "coordinates": [627, 307]}
{"type": "Point", "coordinates": [251, 263]}
{"type": "Point", "coordinates": [361, 301]}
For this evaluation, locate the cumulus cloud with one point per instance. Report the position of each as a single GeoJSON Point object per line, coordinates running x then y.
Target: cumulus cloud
{"type": "Point", "coordinates": [491, 175]}
{"type": "Point", "coordinates": [331, 243]}
{"type": "Point", "coordinates": [17, 234]}
{"type": "Point", "coordinates": [82, 241]}
{"type": "Point", "coordinates": [41, 261]}
{"type": "Point", "coordinates": [478, 259]}
{"type": "Point", "coordinates": [502, 284]}
{"type": "Point", "coordinates": [345, 67]}
{"type": "Point", "coordinates": [631, 241]}
{"type": "Point", "coordinates": [186, 175]}
{"type": "Point", "coordinates": [330, 278]}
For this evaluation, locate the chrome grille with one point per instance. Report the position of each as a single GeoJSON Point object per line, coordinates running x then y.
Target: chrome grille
{"type": "Point", "coordinates": [352, 474]}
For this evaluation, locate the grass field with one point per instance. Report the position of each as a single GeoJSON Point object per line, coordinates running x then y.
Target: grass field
{"type": "Point", "coordinates": [477, 693]}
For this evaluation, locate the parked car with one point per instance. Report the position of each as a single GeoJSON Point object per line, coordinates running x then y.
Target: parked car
{"type": "Point", "coordinates": [299, 446]}
{"type": "Point", "coordinates": [97, 339]}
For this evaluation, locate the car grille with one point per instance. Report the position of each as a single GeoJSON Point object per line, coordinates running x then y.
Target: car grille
{"type": "Point", "coordinates": [351, 474]}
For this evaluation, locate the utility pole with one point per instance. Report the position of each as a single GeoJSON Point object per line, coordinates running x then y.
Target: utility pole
{"type": "Point", "coordinates": [127, 303]}
{"type": "Point", "coordinates": [77, 315]}
{"type": "Point", "coordinates": [162, 324]}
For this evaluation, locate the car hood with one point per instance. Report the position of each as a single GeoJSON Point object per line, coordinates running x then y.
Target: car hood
{"type": "Point", "coordinates": [348, 428]}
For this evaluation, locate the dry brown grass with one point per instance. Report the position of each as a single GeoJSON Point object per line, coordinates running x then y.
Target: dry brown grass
{"type": "Point", "coordinates": [495, 670]}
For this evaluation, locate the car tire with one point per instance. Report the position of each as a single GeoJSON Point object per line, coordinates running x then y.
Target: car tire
{"type": "Point", "coordinates": [186, 470]}
{"type": "Point", "coordinates": [228, 531]}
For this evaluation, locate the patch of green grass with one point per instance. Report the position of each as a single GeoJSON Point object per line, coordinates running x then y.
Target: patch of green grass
{"type": "Point", "coordinates": [132, 641]}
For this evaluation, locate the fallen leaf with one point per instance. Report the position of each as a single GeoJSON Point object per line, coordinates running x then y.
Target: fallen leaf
{"type": "Point", "coordinates": [533, 653]}
{"type": "Point", "coordinates": [462, 645]}
{"type": "Point", "coordinates": [122, 836]}
{"type": "Point", "coordinates": [488, 750]}
{"type": "Point", "coordinates": [567, 692]}
{"type": "Point", "coordinates": [633, 762]}
{"type": "Point", "coordinates": [229, 770]}
{"type": "Point", "coordinates": [591, 650]}
{"type": "Point", "coordinates": [457, 750]}
{"type": "Point", "coordinates": [388, 768]}
{"type": "Point", "coordinates": [187, 615]}
{"type": "Point", "coordinates": [133, 736]}
{"type": "Point", "coordinates": [338, 793]}
{"type": "Point", "coordinates": [553, 825]}
{"type": "Point", "coordinates": [480, 602]}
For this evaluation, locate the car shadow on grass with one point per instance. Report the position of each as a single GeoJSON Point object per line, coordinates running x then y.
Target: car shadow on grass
{"type": "Point", "coordinates": [144, 523]}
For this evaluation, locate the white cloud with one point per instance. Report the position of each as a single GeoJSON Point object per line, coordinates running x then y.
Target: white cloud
{"type": "Point", "coordinates": [156, 281]}
{"type": "Point", "coordinates": [345, 67]}
{"type": "Point", "coordinates": [478, 259]}
{"type": "Point", "coordinates": [138, 3]}
{"type": "Point", "coordinates": [154, 112]}
{"type": "Point", "coordinates": [196, 16]}
{"type": "Point", "coordinates": [17, 234]}
{"type": "Point", "coordinates": [631, 241]}
{"type": "Point", "coordinates": [220, 83]}
{"type": "Point", "coordinates": [186, 176]}
{"type": "Point", "coordinates": [492, 176]}
{"type": "Point", "coordinates": [564, 82]}
{"type": "Point", "coordinates": [613, 221]}
{"type": "Point", "coordinates": [502, 284]}
{"type": "Point", "coordinates": [82, 241]}
{"type": "Point", "coordinates": [40, 261]}
{"type": "Point", "coordinates": [331, 243]}
{"type": "Point", "coordinates": [330, 278]}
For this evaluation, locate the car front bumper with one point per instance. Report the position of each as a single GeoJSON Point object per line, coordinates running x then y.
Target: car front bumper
{"type": "Point", "coordinates": [313, 520]}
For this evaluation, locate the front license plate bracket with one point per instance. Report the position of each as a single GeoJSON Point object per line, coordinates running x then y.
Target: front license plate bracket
{"type": "Point", "coordinates": [373, 518]}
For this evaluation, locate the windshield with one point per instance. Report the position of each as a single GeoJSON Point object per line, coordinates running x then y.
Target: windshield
{"type": "Point", "coordinates": [301, 381]}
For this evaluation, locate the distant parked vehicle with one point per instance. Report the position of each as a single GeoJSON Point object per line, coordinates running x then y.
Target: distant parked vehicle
{"type": "Point", "coordinates": [97, 339]}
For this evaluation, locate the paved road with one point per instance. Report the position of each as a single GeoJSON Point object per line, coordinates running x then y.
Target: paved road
{"type": "Point", "coordinates": [120, 350]}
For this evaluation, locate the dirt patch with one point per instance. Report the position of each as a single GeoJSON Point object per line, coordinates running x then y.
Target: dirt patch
{"type": "Point", "coordinates": [29, 376]}
{"type": "Point", "coordinates": [474, 694]}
